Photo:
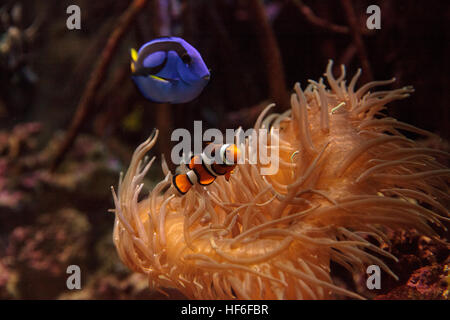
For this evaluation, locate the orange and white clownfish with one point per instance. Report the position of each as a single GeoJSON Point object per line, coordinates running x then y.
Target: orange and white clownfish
{"type": "Point", "coordinates": [204, 170]}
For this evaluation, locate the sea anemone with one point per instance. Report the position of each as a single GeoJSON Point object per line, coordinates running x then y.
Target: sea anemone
{"type": "Point", "coordinates": [346, 175]}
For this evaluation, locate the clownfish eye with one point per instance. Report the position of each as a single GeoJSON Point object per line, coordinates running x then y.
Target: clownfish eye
{"type": "Point", "coordinates": [186, 58]}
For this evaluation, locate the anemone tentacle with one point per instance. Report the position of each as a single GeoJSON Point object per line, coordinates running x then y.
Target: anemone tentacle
{"type": "Point", "coordinates": [346, 172]}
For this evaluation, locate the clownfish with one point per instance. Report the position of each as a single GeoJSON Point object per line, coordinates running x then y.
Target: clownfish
{"type": "Point", "coordinates": [203, 169]}
{"type": "Point", "coordinates": [169, 70]}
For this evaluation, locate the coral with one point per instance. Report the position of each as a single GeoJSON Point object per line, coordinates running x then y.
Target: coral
{"type": "Point", "coordinates": [49, 221]}
{"type": "Point", "coordinates": [8, 280]}
{"type": "Point", "coordinates": [117, 287]}
{"type": "Point", "coordinates": [40, 254]}
{"type": "Point", "coordinates": [347, 177]}
{"type": "Point", "coordinates": [12, 144]}
{"type": "Point", "coordinates": [23, 164]}
{"type": "Point", "coordinates": [427, 283]}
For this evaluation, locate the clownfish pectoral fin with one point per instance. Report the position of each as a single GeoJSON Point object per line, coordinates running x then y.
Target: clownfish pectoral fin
{"type": "Point", "coordinates": [181, 183]}
{"type": "Point", "coordinates": [206, 179]}
{"type": "Point", "coordinates": [134, 54]}
{"type": "Point", "coordinates": [228, 175]}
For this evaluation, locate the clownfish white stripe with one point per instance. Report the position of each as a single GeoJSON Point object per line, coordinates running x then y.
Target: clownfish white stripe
{"type": "Point", "coordinates": [222, 151]}
{"type": "Point", "coordinates": [192, 177]}
{"type": "Point", "coordinates": [206, 163]}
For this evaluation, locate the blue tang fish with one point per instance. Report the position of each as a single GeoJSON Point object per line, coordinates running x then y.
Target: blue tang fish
{"type": "Point", "coordinates": [169, 70]}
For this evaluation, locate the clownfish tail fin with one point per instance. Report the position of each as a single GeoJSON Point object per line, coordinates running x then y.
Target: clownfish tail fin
{"type": "Point", "coordinates": [181, 183]}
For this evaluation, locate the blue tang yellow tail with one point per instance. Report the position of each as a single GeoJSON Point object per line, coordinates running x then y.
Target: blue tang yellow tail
{"type": "Point", "coordinates": [169, 70]}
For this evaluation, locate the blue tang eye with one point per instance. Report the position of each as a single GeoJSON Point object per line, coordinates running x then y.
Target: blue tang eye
{"type": "Point", "coordinates": [186, 58]}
